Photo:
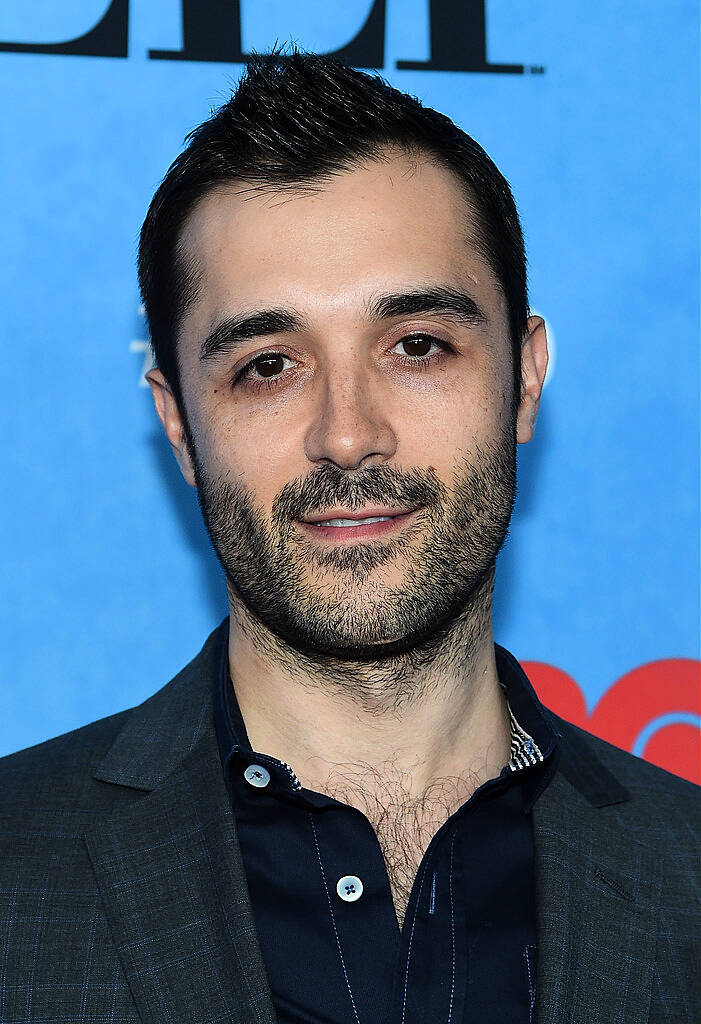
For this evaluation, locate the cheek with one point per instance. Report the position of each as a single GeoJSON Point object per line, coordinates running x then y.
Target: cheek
{"type": "Point", "coordinates": [259, 453]}
{"type": "Point", "coordinates": [495, 396]}
{"type": "Point", "coordinates": [475, 409]}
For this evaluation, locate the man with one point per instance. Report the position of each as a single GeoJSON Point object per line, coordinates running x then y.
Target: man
{"type": "Point", "coordinates": [351, 806]}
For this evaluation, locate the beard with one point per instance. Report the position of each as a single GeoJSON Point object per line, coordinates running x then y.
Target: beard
{"type": "Point", "coordinates": [335, 603]}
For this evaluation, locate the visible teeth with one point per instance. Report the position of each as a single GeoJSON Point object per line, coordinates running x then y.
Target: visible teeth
{"type": "Point", "coordinates": [352, 522]}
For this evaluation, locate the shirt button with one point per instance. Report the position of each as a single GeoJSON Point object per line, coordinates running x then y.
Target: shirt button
{"type": "Point", "coordinates": [257, 776]}
{"type": "Point", "coordinates": [349, 888]}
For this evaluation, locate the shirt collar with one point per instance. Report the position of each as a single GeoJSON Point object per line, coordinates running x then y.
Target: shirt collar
{"type": "Point", "coordinates": [534, 735]}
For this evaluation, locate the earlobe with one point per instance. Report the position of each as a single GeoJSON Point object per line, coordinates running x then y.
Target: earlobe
{"type": "Point", "coordinates": [534, 365]}
{"type": "Point", "coordinates": [169, 414]}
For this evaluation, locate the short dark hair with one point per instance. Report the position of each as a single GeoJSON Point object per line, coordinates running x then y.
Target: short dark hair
{"type": "Point", "coordinates": [296, 118]}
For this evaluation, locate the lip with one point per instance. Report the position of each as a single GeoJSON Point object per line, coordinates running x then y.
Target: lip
{"type": "Point", "coordinates": [366, 513]}
{"type": "Point", "coordinates": [360, 532]}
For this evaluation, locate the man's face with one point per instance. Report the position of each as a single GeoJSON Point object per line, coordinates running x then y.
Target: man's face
{"type": "Point", "coordinates": [376, 376]}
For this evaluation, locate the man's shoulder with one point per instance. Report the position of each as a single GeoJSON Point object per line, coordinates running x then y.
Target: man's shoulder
{"type": "Point", "coordinates": [633, 771]}
{"type": "Point", "coordinates": [50, 773]}
{"type": "Point", "coordinates": [137, 748]}
{"type": "Point", "coordinates": [656, 798]}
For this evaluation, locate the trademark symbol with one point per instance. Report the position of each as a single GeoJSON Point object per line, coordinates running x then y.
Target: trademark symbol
{"type": "Point", "coordinates": [536, 69]}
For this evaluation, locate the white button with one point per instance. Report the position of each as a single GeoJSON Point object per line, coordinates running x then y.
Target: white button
{"type": "Point", "coordinates": [257, 775]}
{"type": "Point", "coordinates": [349, 888]}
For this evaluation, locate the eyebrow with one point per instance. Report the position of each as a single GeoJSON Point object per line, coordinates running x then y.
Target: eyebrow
{"type": "Point", "coordinates": [231, 333]}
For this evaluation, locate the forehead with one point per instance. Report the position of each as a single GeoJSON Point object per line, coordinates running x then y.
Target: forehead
{"type": "Point", "coordinates": [332, 243]}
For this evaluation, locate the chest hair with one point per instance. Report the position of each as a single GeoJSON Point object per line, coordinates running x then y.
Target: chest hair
{"type": "Point", "coordinates": [404, 824]}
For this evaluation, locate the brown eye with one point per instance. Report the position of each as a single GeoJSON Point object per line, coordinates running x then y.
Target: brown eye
{"type": "Point", "coordinates": [262, 370]}
{"type": "Point", "coordinates": [418, 351]}
{"type": "Point", "coordinates": [268, 366]}
{"type": "Point", "coordinates": [418, 345]}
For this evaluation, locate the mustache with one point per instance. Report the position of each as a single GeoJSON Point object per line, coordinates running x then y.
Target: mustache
{"type": "Point", "coordinates": [381, 485]}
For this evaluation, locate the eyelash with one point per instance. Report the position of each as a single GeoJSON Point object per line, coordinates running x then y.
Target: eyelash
{"type": "Point", "coordinates": [270, 383]}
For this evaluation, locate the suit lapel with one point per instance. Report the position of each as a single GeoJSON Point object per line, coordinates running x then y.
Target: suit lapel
{"type": "Point", "coordinates": [168, 863]}
{"type": "Point", "coordinates": [173, 885]}
{"type": "Point", "coordinates": [597, 894]}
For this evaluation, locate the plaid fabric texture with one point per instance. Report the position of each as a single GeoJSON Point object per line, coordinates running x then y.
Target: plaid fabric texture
{"type": "Point", "coordinates": [123, 898]}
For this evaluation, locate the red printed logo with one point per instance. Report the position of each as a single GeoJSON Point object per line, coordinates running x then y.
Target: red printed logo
{"type": "Point", "coordinates": [653, 711]}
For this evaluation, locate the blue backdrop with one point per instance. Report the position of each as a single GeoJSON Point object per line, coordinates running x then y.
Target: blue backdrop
{"type": "Point", "coordinates": [109, 586]}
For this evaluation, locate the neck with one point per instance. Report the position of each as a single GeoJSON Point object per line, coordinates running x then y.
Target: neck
{"type": "Point", "coordinates": [430, 715]}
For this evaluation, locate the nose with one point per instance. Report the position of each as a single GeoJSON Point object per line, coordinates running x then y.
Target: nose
{"type": "Point", "coordinates": [349, 422]}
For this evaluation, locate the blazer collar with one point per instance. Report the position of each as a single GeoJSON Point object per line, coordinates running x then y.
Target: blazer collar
{"type": "Point", "coordinates": [160, 733]}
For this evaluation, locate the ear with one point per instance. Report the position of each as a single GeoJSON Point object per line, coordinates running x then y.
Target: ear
{"type": "Point", "coordinates": [534, 364]}
{"type": "Point", "coordinates": [169, 415]}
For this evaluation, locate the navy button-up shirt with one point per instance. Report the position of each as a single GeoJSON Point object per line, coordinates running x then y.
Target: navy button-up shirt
{"type": "Point", "coordinates": [322, 901]}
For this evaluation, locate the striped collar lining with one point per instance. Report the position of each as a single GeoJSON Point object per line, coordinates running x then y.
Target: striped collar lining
{"type": "Point", "coordinates": [524, 750]}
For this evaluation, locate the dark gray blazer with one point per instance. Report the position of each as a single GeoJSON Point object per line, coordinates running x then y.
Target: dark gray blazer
{"type": "Point", "coordinates": [123, 897]}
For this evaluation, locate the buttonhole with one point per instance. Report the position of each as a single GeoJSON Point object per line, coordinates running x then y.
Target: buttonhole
{"type": "Point", "coordinates": [432, 905]}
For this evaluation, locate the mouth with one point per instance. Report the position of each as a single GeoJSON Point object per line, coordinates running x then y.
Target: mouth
{"type": "Point", "coordinates": [353, 527]}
